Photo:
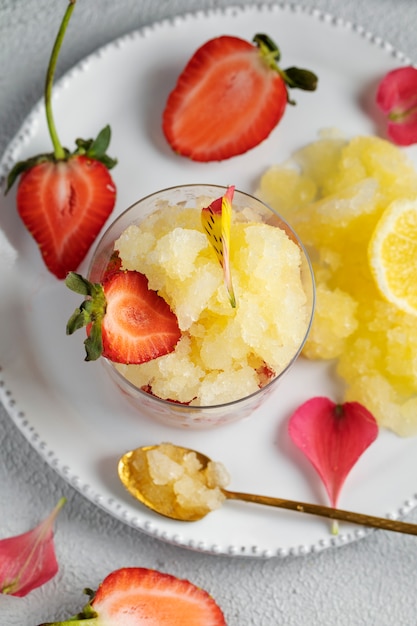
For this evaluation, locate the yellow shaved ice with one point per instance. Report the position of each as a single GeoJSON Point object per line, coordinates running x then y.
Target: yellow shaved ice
{"type": "Point", "coordinates": [192, 487]}
{"type": "Point", "coordinates": [224, 353]}
{"type": "Point", "coordinates": [162, 468]}
{"type": "Point", "coordinates": [176, 479]}
{"type": "Point", "coordinates": [335, 321]}
{"type": "Point", "coordinates": [336, 192]}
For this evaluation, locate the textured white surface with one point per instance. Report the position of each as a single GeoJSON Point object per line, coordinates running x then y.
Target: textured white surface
{"type": "Point", "coordinates": [371, 582]}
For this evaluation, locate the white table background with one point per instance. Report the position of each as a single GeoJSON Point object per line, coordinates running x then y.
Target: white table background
{"type": "Point", "coordinates": [370, 582]}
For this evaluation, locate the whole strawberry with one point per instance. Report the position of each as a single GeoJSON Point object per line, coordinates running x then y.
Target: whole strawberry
{"type": "Point", "coordinates": [229, 98]}
{"type": "Point", "coordinates": [65, 198]}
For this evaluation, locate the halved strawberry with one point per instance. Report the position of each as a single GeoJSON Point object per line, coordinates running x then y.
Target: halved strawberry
{"type": "Point", "coordinates": [229, 98]}
{"type": "Point", "coordinates": [126, 321]}
{"type": "Point", "coordinates": [65, 198]}
{"type": "Point", "coordinates": [64, 205]}
{"type": "Point", "coordinates": [137, 595]}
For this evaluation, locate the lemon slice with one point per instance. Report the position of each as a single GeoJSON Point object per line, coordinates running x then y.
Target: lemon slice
{"type": "Point", "coordinates": [393, 254]}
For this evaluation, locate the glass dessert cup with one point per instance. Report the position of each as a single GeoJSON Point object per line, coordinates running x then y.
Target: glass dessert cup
{"type": "Point", "coordinates": [246, 209]}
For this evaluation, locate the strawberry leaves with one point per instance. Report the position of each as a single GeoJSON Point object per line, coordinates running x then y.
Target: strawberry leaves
{"type": "Point", "coordinates": [92, 148]}
{"type": "Point", "coordinates": [293, 77]}
{"type": "Point", "coordinates": [91, 312]}
{"type": "Point", "coordinates": [96, 148]}
{"type": "Point", "coordinates": [28, 561]}
{"type": "Point", "coordinates": [333, 437]}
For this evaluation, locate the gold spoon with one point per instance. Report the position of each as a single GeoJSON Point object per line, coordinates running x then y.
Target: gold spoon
{"type": "Point", "coordinates": [135, 477]}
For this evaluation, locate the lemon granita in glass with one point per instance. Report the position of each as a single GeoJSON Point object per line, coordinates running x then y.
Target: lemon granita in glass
{"type": "Point", "coordinates": [354, 205]}
{"type": "Point", "coordinates": [226, 353]}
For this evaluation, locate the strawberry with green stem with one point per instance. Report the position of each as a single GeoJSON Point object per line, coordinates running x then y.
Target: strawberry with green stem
{"type": "Point", "coordinates": [126, 321]}
{"type": "Point", "coordinates": [137, 595]}
{"type": "Point", "coordinates": [65, 198]}
{"type": "Point", "coordinates": [229, 98]}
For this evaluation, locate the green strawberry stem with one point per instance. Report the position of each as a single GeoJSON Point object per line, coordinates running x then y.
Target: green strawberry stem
{"type": "Point", "coordinates": [59, 151]}
{"type": "Point", "coordinates": [93, 148]}
{"type": "Point", "coordinates": [87, 617]}
{"type": "Point", "coordinates": [293, 77]}
{"type": "Point", "coordinates": [83, 621]}
{"type": "Point", "coordinates": [91, 311]}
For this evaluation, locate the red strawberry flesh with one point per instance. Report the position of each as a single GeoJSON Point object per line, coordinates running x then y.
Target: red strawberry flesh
{"type": "Point", "coordinates": [64, 205]}
{"type": "Point", "coordinates": [226, 101]}
{"type": "Point", "coordinates": [138, 324]}
{"type": "Point", "coordinates": [155, 597]}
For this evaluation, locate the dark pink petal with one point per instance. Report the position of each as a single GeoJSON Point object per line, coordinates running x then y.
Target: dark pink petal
{"type": "Point", "coordinates": [397, 98]}
{"type": "Point", "coordinates": [28, 561]}
{"type": "Point", "coordinates": [333, 437]}
{"type": "Point", "coordinates": [403, 134]}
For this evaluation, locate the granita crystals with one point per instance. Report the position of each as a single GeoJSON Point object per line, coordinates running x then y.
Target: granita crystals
{"type": "Point", "coordinates": [225, 352]}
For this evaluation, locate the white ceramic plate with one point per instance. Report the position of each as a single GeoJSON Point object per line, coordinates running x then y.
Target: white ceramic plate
{"type": "Point", "coordinates": [66, 408]}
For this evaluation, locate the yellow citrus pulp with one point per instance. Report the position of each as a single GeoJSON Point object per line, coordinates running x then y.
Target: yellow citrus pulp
{"type": "Point", "coordinates": [393, 254]}
{"type": "Point", "coordinates": [354, 205]}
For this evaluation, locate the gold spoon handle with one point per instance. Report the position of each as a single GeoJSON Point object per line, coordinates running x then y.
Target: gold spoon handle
{"type": "Point", "coordinates": [326, 511]}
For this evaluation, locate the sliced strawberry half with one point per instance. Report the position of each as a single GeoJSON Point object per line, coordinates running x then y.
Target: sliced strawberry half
{"type": "Point", "coordinates": [229, 98]}
{"type": "Point", "coordinates": [64, 205]}
{"type": "Point", "coordinates": [136, 595]}
{"type": "Point", "coordinates": [126, 321]}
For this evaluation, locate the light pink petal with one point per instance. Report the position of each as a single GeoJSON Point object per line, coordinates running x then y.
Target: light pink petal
{"type": "Point", "coordinates": [333, 437]}
{"type": "Point", "coordinates": [28, 561]}
{"type": "Point", "coordinates": [397, 98]}
{"type": "Point", "coordinates": [398, 90]}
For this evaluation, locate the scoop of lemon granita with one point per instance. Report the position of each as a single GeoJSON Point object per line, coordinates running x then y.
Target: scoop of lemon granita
{"type": "Point", "coordinates": [225, 352]}
{"type": "Point", "coordinates": [179, 479]}
{"type": "Point", "coordinates": [335, 193]}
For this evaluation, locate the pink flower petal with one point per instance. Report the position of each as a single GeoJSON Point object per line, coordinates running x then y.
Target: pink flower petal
{"type": "Point", "coordinates": [333, 437]}
{"type": "Point", "coordinates": [403, 134]}
{"type": "Point", "coordinates": [28, 561]}
{"type": "Point", "coordinates": [397, 98]}
{"type": "Point", "coordinates": [397, 88]}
